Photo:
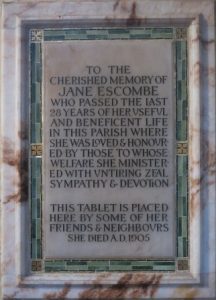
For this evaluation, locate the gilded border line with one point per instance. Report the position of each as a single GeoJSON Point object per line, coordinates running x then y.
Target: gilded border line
{"type": "Point", "coordinates": [37, 37]}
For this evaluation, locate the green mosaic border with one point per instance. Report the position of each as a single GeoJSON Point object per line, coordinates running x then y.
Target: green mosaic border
{"type": "Point", "coordinates": [36, 90]}
{"type": "Point", "coordinates": [36, 208]}
{"type": "Point", "coordinates": [182, 139]}
{"type": "Point", "coordinates": [37, 37]}
{"type": "Point", "coordinates": [108, 265]}
{"type": "Point", "coordinates": [108, 34]}
{"type": "Point", "coordinates": [35, 138]}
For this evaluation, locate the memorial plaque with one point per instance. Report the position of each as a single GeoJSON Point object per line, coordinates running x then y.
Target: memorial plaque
{"type": "Point", "coordinates": [108, 149]}
{"type": "Point", "coordinates": [109, 157]}
{"type": "Point", "coordinates": [109, 140]}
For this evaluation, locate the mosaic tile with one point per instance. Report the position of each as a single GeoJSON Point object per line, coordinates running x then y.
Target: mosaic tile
{"type": "Point", "coordinates": [120, 263]}
{"type": "Point", "coordinates": [164, 268]}
{"type": "Point", "coordinates": [182, 148]}
{"type": "Point", "coordinates": [50, 263]}
{"type": "Point", "coordinates": [142, 263]}
{"type": "Point", "coordinates": [119, 31]}
{"type": "Point", "coordinates": [184, 112]}
{"type": "Point", "coordinates": [102, 32]}
{"type": "Point", "coordinates": [179, 74]}
{"type": "Point", "coordinates": [182, 264]}
{"type": "Point", "coordinates": [164, 263]}
{"type": "Point", "coordinates": [36, 265]}
{"type": "Point", "coordinates": [184, 69]}
{"type": "Point", "coordinates": [48, 32]}
{"type": "Point", "coordinates": [38, 245]}
{"type": "Point", "coordinates": [142, 268]}
{"type": "Point", "coordinates": [185, 209]}
{"type": "Point", "coordinates": [75, 262]}
{"type": "Point", "coordinates": [161, 269]}
{"type": "Point", "coordinates": [121, 267]}
{"type": "Point", "coordinates": [162, 30]}
{"type": "Point", "coordinates": [36, 149]}
{"type": "Point", "coordinates": [181, 33]}
{"type": "Point", "coordinates": [55, 38]}
{"type": "Point", "coordinates": [185, 247]}
{"type": "Point", "coordinates": [36, 35]}
{"type": "Point", "coordinates": [180, 226]}
{"type": "Point", "coordinates": [78, 267]}
{"type": "Point", "coordinates": [34, 210]}
{"type": "Point", "coordinates": [38, 208]}
{"type": "Point", "coordinates": [33, 189]}
{"type": "Point", "coordinates": [180, 247]}
{"type": "Point", "coordinates": [140, 36]}
{"type": "Point", "coordinates": [184, 226]}
{"type": "Point", "coordinates": [100, 37]}
{"type": "Point", "coordinates": [97, 264]}
{"type": "Point", "coordinates": [33, 228]}
{"type": "Point", "coordinates": [33, 249]}
{"type": "Point", "coordinates": [38, 228]}
{"type": "Point", "coordinates": [180, 205]}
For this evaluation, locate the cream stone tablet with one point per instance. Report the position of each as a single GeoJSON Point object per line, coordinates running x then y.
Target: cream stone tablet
{"type": "Point", "coordinates": [109, 155]}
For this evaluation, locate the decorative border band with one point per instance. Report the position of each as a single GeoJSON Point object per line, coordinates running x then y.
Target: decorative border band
{"type": "Point", "coordinates": [37, 37]}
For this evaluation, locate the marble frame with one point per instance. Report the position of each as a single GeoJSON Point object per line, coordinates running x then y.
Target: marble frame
{"type": "Point", "coordinates": [16, 280]}
{"type": "Point", "coordinates": [37, 39]}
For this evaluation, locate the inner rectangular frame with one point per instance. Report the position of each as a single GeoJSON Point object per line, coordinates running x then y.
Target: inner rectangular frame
{"type": "Point", "coordinates": [179, 37]}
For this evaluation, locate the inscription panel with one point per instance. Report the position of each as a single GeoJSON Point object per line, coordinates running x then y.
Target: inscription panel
{"type": "Point", "coordinates": [109, 149]}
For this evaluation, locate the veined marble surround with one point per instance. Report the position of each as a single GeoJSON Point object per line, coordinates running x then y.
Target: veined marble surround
{"type": "Point", "coordinates": [17, 281]}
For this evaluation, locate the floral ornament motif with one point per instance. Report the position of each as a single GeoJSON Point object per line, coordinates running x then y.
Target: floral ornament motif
{"type": "Point", "coordinates": [36, 149]}
{"type": "Point", "coordinates": [182, 264]}
{"type": "Point", "coordinates": [36, 35]}
{"type": "Point", "coordinates": [36, 265]}
{"type": "Point", "coordinates": [182, 148]}
{"type": "Point", "coordinates": [181, 33]}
